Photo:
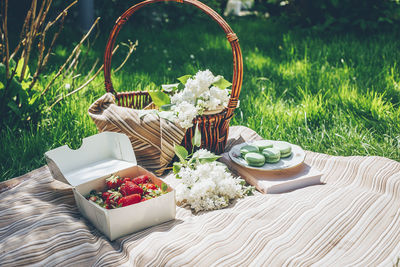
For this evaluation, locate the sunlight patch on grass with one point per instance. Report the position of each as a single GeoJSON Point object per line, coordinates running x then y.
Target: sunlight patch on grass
{"type": "Point", "coordinates": [297, 69]}
{"type": "Point", "coordinates": [255, 61]}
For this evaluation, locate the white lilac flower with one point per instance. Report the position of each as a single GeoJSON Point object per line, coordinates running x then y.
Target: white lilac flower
{"type": "Point", "coordinates": [205, 96]}
{"type": "Point", "coordinates": [185, 113]}
{"type": "Point", "coordinates": [213, 103]}
{"type": "Point", "coordinates": [207, 186]}
{"type": "Point", "coordinates": [189, 96]}
{"type": "Point", "coordinates": [202, 105]}
{"type": "Point", "coordinates": [203, 153]}
{"type": "Point", "coordinates": [193, 86]}
{"type": "Point", "coordinates": [198, 95]}
{"type": "Point", "coordinates": [221, 95]}
{"type": "Point", "coordinates": [176, 98]}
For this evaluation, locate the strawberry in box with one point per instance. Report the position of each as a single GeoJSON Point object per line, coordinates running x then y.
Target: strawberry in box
{"type": "Point", "coordinates": [114, 182]}
{"type": "Point", "coordinates": [121, 193]}
{"type": "Point", "coordinates": [141, 179]}
{"type": "Point", "coordinates": [130, 188]}
{"type": "Point", "coordinates": [124, 192]}
{"type": "Point", "coordinates": [129, 200]}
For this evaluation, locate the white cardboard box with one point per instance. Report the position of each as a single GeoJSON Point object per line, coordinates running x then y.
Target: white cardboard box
{"type": "Point", "coordinates": [86, 168]}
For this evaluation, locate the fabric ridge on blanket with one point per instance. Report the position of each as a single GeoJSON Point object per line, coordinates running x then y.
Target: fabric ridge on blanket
{"type": "Point", "coordinates": [152, 137]}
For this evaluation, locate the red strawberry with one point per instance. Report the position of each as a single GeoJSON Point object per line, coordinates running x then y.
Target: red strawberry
{"type": "Point", "coordinates": [130, 188]}
{"type": "Point", "coordinates": [113, 182]}
{"type": "Point", "coordinates": [150, 186]}
{"type": "Point", "coordinates": [113, 198]}
{"type": "Point", "coordinates": [129, 200]}
{"type": "Point", "coordinates": [143, 200]}
{"type": "Point", "coordinates": [105, 195]}
{"type": "Point", "coordinates": [126, 180]}
{"type": "Point", "coordinates": [141, 179]}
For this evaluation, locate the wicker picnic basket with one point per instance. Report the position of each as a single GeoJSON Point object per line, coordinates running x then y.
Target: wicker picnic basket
{"type": "Point", "coordinates": [214, 128]}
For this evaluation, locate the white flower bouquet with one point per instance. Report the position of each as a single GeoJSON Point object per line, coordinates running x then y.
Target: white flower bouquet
{"type": "Point", "coordinates": [195, 95]}
{"type": "Point", "coordinates": [206, 184]}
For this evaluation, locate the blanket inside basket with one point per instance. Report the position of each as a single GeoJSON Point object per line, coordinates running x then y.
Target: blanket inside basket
{"type": "Point", "coordinates": [152, 137]}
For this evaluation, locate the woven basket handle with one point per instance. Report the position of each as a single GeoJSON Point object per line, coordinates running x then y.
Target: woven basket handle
{"type": "Point", "coordinates": [231, 36]}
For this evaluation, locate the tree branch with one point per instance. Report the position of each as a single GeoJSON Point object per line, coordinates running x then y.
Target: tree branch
{"type": "Point", "coordinates": [22, 34]}
{"type": "Point", "coordinates": [79, 88]}
{"type": "Point", "coordinates": [85, 83]}
{"type": "Point", "coordinates": [77, 47]}
{"type": "Point", "coordinates": [73, 64]}
{"type": "Point", "coordinates": [59, 15]}
{"type": "Point", "coordinates": [31, 35]}
{"type": "Point", "coordinates": [6, 45]}
{"type": "Point", "coordinates": [42, 62]}
{"type": "Point", "coordinates": [132, 47]}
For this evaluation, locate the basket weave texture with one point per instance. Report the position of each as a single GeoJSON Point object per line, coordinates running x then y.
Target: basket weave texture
{"type": "Point", "coordinates": [214, 128]}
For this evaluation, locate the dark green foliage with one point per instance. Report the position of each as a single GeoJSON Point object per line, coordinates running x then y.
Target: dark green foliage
{"type": "Point", "coordinates": [337, 14]}
{"type": "Point", "coordinates": [18, 104]}
{"type": "Point", "coordinates": [166, 12]}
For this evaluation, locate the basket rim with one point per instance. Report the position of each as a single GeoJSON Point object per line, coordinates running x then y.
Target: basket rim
{"type": "Point", "coordinates": [231, 36]}
{"type": "Point", "coordinates": [122, 94]}
{"type": "Point", "coordinates": [223, 118]}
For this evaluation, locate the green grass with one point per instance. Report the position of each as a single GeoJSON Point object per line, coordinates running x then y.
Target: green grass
{"type": "Point", "coordinates": [336, 94]}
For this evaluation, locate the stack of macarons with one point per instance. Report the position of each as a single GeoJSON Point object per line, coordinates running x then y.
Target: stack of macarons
{"type": "Point", "coordinates": [263, 151]}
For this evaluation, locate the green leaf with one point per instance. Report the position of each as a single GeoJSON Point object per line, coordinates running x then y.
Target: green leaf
{"type": "Point", "coordinates": [181, 87]}
{"type": "Point", "coordinates": [14, 87]}
{"type": "Point", "coordinates": [248, 190]}
{"type": "Point", "coordinates": [20, 65]}
{"type": "Point", "coordinates": [159, 98]}
{"type": "Point", "coordinates": [164, 187]}
{"type": "Point", "coordinates": [23, 97]}
{"type": "Point", "coordinates": [196, 140]}
{"type": "Point", "coordinates": [12, 64]}
{"type": "Point", "coordinates": [3, 72]}
{"type": "Point", "coordinates": [166, 107]}
{"type": "Point", "coordinates": [1, 86]}
{"type": "Point", "coordinates": [13, 106]}
{"type": "Point", "coordinates": [181, 152]}
{"type": "Point", "coordinates": [208, 159]}
{"type": "Point", "coordinates": [170, 87]}
{"type": "Point", "coordinates": [176, 167]}
{"type": "Point", "coordinates": [183, 79]}
{"type": "Point", "coordinates": [34, 98]}
{"type": "Point", "coordinates": [221, 83]}
{"type": "Point", "coordinates": [25, 84]}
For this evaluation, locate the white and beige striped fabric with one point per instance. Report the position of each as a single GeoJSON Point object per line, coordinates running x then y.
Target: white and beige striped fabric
{"type": "Point", "coordinates": [152, 137]}
{"type": "Point", "coordinates": [352, 220]}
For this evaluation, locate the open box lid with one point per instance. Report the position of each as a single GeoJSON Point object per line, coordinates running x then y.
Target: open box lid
{"type": "Point", "coordinates": [100, 155]}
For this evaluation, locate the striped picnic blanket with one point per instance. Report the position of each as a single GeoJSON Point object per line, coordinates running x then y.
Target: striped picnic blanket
{"type": "Point", "coordinates": [354, 219]}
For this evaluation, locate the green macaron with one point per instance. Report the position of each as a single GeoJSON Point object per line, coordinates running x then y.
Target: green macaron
{"type": "Point", "coordinates": [247, 149]}
{"type": "Point", "coordinates": [284, 147]}
{"type": "Point", "coordinates": [254, 159]}
{"type": "Point", "coordinates": [262, 144]}
{"type": "Point", "coordinates": [272, 155]}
